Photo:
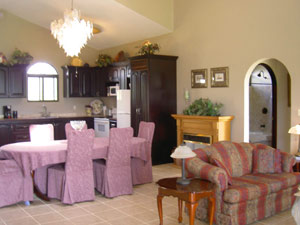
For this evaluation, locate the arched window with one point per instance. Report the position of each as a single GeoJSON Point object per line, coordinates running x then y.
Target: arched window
{"type": "Point", "coordinates": [42, 83]}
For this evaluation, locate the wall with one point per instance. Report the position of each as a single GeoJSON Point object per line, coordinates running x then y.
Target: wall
{"type": "Point", "coordinates": [17, 33]}
{"type": "Point", "coordinates": [236, 34]}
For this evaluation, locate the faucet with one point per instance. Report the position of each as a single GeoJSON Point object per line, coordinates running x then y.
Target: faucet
{"type": "Point", "coordinates": [45, 112]}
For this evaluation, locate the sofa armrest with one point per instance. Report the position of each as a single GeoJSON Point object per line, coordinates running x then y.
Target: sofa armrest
{"type": "Point", "coordinates": [206, 171]}
{"type": "Point", "coordinates": [287, 162]}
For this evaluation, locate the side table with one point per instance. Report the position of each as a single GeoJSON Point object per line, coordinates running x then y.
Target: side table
{"type": "Point", "coordinates": [190, 193]}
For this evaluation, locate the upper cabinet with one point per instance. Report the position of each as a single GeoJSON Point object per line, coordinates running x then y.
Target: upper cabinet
{"type": "Point", "coordinates": [93, 81]}
{"type": "Point", "coordinates": [13, 81]}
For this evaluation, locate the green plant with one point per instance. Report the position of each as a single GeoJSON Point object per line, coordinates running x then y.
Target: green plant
{"type": "Point", "coordinates": [203, 107]}
{"type": "Point", "coordinates": [104, 60]}
{"type": "Point", "coordinates": [19, 57]}
{"type": "Point", "coordinates": [148, 48]}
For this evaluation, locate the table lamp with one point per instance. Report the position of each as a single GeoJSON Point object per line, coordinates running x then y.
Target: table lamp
{"type": "Point", "coordinates": [296, 130]}
{"type": "Point", "coordinates": [183, 152]}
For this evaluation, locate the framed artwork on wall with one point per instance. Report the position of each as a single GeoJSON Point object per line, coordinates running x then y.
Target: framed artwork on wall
{"type": "Point", "coordinates": [219, 77]}
{"type": "Point", "coordinates": [199, 78]}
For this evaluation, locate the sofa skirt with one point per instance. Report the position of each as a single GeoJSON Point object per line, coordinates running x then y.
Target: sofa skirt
{"type": "Point", "coordinates": [247, 212]}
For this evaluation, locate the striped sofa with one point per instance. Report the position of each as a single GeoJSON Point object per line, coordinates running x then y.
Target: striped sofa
{"type": "Point", "coordinates": [253, 181]}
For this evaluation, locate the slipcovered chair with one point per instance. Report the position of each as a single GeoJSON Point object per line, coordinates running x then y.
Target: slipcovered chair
{"type": "Point", "coordinates": [141, 171]}
{"type": "Point", "coordinates": [73, 181]}
{"type": "Point", "coordinates": [14, 187]}
{"type": "Point", "coordinates": [113, 175]}
{"type": "Point", "coordinates": [41, 133]}
{"type": "Point", "coordinates": [68, 128]}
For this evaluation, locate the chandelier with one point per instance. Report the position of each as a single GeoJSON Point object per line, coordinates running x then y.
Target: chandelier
{"type": "Point", "coordinates": [72, 32]}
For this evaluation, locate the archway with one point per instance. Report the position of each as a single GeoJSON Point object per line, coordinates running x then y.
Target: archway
{"type": "Point", "coordinates": [282, 103]}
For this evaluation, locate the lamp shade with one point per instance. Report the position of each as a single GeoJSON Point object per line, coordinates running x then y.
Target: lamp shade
{"type": "Point", "coordinates": [183, 152]}
{"type": "Point", "coordinates": [295, 129]}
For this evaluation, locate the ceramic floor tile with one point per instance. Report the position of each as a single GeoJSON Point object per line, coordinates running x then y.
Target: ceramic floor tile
{"type": "Point", "coordinates": [146, 216]}
{"type": "Point", "coordinates": [60, 207]}
{"type": "Point", "coordinates": [110, 215]}
{"type": "Point", "coordinates": [49, 217]}
{"type": "Point", "coordinates": [37, 210]}
{"type": "Point", "coordinates": [23, 221]}
{"type": "Point", "coordinates": [133, 210]}
{"type": "Point", "coordinates": [96, 208]}
{"type": "Point", "coordinates": [126, 221]}
{"type": "Point", "coordinates": [118, 203]}
{"type": "Point", "coordinates": [74, 212]}
{"type": "Point", "coordinates": [86, 220]}
{"type": "Point", "coordinates": [13, 215]}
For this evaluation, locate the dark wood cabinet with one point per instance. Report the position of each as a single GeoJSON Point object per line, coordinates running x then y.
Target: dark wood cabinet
{"type": "Point", "coordinates": [119, 73]}
{"type": "Point", "coordinates": [5, 134]}
{"type": "Point", "coordinates": [4, 82]}
{"type": "Point", "coordinates": [17, 130]}
{"type": "Point", "coordinates": [13, 81]}
{"type": "Point", "coordinates": [153, 99]}
{"type": "Point", "coordinates": [99, 80]}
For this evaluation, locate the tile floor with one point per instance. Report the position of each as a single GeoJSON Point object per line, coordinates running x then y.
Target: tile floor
{"type": "Point", "coordinates": [139, 208]}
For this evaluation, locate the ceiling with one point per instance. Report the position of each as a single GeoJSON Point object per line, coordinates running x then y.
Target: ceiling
{"type": "Point", "coordinates": [118, 23]}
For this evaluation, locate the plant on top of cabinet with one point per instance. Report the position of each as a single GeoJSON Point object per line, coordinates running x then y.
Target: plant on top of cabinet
{"type": "Point", "coordinates": [19, 57]}
{"type": "Point", "coordinates": [203, 107]}
{"type": "Point", "coordinates": [148, 48]}
{"type": "Point", "coordinates": [104, 60]}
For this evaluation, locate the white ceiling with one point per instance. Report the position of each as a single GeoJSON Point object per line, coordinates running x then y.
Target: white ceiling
{"type": "Point", "coordinates": [118, 24]}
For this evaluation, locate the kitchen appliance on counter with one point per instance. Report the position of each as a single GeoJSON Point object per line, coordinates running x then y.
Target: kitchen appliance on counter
{"type": "Point", "coordinates": [102, 126]}
{"type": "Point", "coordinates": [123, 108]}
{"type": "Point", "coordinates": [112, 90]}
{"type": "Point", "coordinates": [7, 111]}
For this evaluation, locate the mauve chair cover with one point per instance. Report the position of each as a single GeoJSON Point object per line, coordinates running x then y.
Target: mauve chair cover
{"type": "Point", "coordinates": [113, 175]}
{"type": "Point", "coordinates": [142, 171]}
{"type": "Point", "coordinates": [14, 187]}
{"type": "Point", "coordinates": [41, 133]}
{"type": "Point", "coordinates": [75, 182]}
{"type": "Point", "coordinates": [68, 128]}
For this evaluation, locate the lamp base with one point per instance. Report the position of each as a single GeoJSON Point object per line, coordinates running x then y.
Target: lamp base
{"type": "Point", "coordinates": [183, 181]}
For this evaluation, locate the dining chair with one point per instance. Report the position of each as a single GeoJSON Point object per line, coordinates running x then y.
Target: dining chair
{"type": "Point", "coordinates": [68, 128]}
{"type": "Point", "coordinates": [14, 187]}
{"type": "Point", "coordinates": [74, 181]}
{"type": "Point", "coordinates": [141, 170]}
{"type": "Point", "coordinates": [41, 133]}
{"type": "Point", "coordinates": [113, 175]}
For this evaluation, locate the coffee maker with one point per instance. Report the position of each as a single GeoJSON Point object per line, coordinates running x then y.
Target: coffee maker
{"type": "Point", "coordinates": [7, 111]}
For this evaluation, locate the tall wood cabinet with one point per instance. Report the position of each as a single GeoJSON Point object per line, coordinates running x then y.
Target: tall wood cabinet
{"type": "Point", "coordinates": [153, 99]}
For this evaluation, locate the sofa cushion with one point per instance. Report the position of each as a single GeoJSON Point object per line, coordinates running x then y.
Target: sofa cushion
{"type": "Point", "coordinates": [203, 154]}
{"type": "Point", "coordinates": [266, 159]}
{"type": "Point", "coordinates": [254, 186]}
{"type": "Point", "coordinates": [236, 157]}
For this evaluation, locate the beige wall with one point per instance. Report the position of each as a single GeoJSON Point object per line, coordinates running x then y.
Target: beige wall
{"type": "Point", "coordinates": [236, 34]}
{"type": "Point", "coordinates": [17, 33]}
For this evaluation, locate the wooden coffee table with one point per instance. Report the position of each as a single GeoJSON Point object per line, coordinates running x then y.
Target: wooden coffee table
{"type": "Point", "coordinates": [190, 193]}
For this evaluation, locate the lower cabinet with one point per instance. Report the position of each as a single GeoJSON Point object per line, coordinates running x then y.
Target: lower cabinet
{"type": "Point", "coordinates": [12, 131]}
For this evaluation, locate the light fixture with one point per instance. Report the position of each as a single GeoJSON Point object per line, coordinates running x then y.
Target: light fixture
{"type": "Point", "coordinates": [72, 32]}
{"type": "Point", "coordinates": [183, 152]}
{"type": "Point", "coordinates": [296, 130]}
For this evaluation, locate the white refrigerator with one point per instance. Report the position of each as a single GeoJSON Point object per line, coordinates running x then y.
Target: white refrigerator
{"type": "Point", "coordinates": [123, 108]}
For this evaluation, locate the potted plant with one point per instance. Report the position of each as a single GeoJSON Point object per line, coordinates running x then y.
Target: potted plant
{"type": "Point", "coordinates": [148, 48]}
{"type": "Point", "coordinates": [203, 107]}
{"type": "Point", "coordinates": [19, 57]}
{"type": "Point", "coordinates": [104, 60]}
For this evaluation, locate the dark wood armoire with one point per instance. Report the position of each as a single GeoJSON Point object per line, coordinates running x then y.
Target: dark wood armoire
{"type": "Point", "coordinates": [153, 99]}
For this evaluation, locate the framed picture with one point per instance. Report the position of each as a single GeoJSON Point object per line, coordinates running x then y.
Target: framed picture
{"type": "Point", "coordinates": [199, 78]}
{"type": "Point", "coordinates": [219, 77]}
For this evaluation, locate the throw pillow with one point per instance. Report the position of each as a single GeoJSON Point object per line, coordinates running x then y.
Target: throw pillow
{"type": "Point", "coordinates": [266, 159]}
{"type": "Point", "coordinates": [218, 163]}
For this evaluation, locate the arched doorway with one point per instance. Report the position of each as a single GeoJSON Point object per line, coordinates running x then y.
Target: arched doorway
{"type": "Point", "coordinates": [262, 106]}
{"type": "Point", "coordinates": [280, 102]}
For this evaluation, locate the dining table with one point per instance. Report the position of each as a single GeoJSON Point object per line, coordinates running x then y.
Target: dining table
{"type": "Point", "coordinates": [33, 155]}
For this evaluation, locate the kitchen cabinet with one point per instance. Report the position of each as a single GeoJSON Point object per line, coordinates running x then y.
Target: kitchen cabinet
{"type": "Point", "coordinates": [13, 81]}
{"type": "Point", "coordinates": [153, 99]}
{"type": "Point", "coordinates": [119, 73]}
{"type": "Point", "coordinates": [17, 130]}
{"type": "Point", "coordinates": [84, 81]}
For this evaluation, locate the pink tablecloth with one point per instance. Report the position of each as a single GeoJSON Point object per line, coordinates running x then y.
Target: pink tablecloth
{"type": "Point", "coordinates": [31, 156]}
